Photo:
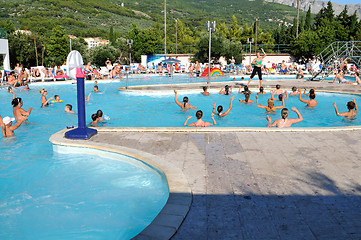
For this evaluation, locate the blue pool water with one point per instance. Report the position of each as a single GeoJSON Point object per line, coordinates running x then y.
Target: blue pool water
{"type": "Point", "coordinates": [50, 195]}
{"type": "Point", "coordinates": [136, 80]}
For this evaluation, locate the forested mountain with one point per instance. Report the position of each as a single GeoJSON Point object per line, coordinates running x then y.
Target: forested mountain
{"type": "Point", "coordinates": [95, 17]}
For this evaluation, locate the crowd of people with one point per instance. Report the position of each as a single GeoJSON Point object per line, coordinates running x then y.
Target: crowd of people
{"type": "Point", "coordinates": [281, 94]}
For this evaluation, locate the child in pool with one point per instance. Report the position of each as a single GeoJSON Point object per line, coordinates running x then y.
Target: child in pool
{"type": "Point", "coordinates": [352, 109]}
{"type": "Point", "coordinates": [69, 108]}
{"type": "Point", "coordinates": [57, 99]}
{"type": "Point", "coordinates": [294, 91]}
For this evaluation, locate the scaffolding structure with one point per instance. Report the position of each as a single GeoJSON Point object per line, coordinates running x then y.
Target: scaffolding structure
{"type": "Point", "coordinates": [335, 55]}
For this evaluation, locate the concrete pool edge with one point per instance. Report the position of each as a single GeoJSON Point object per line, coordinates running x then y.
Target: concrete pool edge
{"type": "Point", "coordinates": [170, 218]}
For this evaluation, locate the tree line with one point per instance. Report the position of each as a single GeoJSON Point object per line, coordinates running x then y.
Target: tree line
{"type": "Point", "coordinates": [314, 34]}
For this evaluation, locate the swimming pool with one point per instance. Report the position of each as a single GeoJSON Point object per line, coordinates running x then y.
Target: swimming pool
{"type": "Point", "coordinates": [51, 195]}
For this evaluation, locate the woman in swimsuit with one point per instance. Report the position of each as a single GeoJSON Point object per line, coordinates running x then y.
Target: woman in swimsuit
{"type": "Point", "coordinates": [271, 105]}
{"type": "Point", "coordinates": [247, 100]}
{"type": "Point", "coordinates": [44, 101]}
{"type": "Point", "coordinates": [257, 62]}
{"type": "Point", "coordinates": [200, 122]}
{"type": "Point", "coordinates": [18, 112]}
{"type": "Point", "coordinates": [220, 109]}
{"type": "Point", "coordinates": [185, 104]}
{"type": "Point", "coordinates": [261, 91]}
{"type": "Point", "coordinates": [284, 121]}
{"type": "Point", "coordinates": [227, 90]}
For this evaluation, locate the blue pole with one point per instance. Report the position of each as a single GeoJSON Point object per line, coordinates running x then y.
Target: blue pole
{"type": "Point", "coordinates": [82, 132]}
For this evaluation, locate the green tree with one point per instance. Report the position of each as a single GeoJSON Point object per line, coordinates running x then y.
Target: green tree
{"type": "Point", "coordinates": [22, 49]}
{"type": "Point", "coordinates": [58, 46]}
{"type": "Point", "coordinates": [304, 46]}
{"type": "Point", "coordinates": [218, 48]}
{"type": "Point", "coordinates": [100, 54]}
{"type": "Point", "coordinates": [111, 35]}
{"type": "Point", "coordinates": [308, 19]}
{"type": "Point", "coordinates": [234, 31]}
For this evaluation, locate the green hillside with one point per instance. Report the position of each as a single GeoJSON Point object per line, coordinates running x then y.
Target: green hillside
{"type": "Point", "coordinates": [94, 17]}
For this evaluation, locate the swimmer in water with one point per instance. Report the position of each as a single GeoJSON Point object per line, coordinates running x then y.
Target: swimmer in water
{"type": "Point", "coordinates": [261, 91]}
{"type": "Point", "coordinates": [26, 87]}
{"type": "Point", "coordinates": [220, 109]}
{"type": "Point", "coordinates": [294, 91]}
{"type": "Point", "coordinates": [205, 91]}
{"type": "Point", "coordinates": [310, 103]}
{"type": "Point", "coordinates": [352, 109]}
{"type": "Point", "coordinates": [96, 89]}
{"type": "Point", "coordinates": [7, 127]}
{"type": "Point", "coordinates": [271, 105]}
{"type": "Point", "coordinates": [69, 108]}
{"type": "Point", "coordinates": [278, 90]}
{"type": "Point", "coordinates": [227, 90]}
{"type": "Point", "coordinates": [247, 100]}
{"type": "Point", "coordinates": [312, 91]}
{"type": "Point", "coordinates": [18, 112]}
{"type": "Point", "coordinates": [200, 122]}
{"type": "Point", "coordinates": [57, 99]}
{"type": "Point", "coordinates": [285, 96]}
{"type": "Point", "coordinates": [44, 101]}
{"type": "Point", "coordinates": [245, 90]}
{"type": "Point", "coordinates": [185, 104]}
{"type": "Point", "coordinates": [284, 121]}
{"type": "Point", "coordinates": [95, 119]}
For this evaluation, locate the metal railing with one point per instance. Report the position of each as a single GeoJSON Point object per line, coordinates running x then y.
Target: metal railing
{"type": "Point", "coordinates": [3, 33]}
{"type": "Point", "coordinates": [336, 54]}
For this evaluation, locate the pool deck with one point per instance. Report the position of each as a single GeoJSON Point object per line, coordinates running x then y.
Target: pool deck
{"type": "Point", "coordinates": [249, 183]}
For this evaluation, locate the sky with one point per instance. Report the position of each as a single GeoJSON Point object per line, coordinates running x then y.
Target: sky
{"type": "Point", "coordinates": [345, 1]}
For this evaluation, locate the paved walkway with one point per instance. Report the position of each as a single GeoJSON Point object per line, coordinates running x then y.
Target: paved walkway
{"type": "Point", "coordinates": [262, 185]}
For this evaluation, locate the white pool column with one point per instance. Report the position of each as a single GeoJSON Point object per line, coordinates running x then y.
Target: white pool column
{"type": "Point", "coordinates": [4, 51]}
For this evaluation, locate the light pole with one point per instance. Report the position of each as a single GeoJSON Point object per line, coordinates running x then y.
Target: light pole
{"type": "Point", "coordinates": [176, 36]}
{"type": "Point", "coordinates": [130, 42]}
{"type": "Point", "coordinates": [165, 27]}
{"type": "Point", "coordinates": [255, 47]}
{"type": "Point", "coordinates": [298, 16]}
{"type": "Point", "coordinates": [250, 41]}
{"type": "Point", "coordinates": [210, 27]}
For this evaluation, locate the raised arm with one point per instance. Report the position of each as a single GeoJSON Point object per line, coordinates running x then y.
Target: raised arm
{"type": "Point", "coordinates": [87, 98]}
{"type": "Point", "coordinates": [229, 109]}
{"type": "Point", "coordinates": [239, 89]}
{"type": "Point", "coordinates": [260, 106]}
{"type": "Point", "coordinates": [25, 113]}
{"type": "Point", "coordinates": [356, 108]}
{"type": "Point", "coordinates": [283, 103]}
{"type": "Point", "coordinates": [12, 91]}
{"type": "Point", "coordinates": [286, 95]}
{"type": "Point", "coordinates": [256, 99]}
{"type": "Point", "coordinates": [13, 128]}
{"type": "Point", "coordinates": [176, 100]}
{"type": "Point", "coordinates": [221, 91]}
{"type": "Point", "coordinates": [214, 121]}
{"type": "Point", "coordinates": [185, 123]}
{"type": "Point", "coordinates": [299, 119]}
{"type": "Point", "coordinates": [214, 108]}
{"type": "Point", "coordinates": [302, 100]}
{"type": "Point", "coordinates": [264, 54]}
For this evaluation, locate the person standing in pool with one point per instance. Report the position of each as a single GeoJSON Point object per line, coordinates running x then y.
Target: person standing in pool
{"type": "Point", "coordinates": [271, 105]}
{"type": "Point", "coordinates": [310, 103]}
{"type": "Point", "coordinates": [44, 101]}
{"type": "Point", "coordinates": [352, 109]}
{"type": "Point", "coordinates": [284, 121]}
{"type": "Point", "coordinates": [257, 63]}
{"type": "Point", "coordinates": [247, 100]}
{"type": "Point", "coordinates": [185, 104]}
{"type": "Point", "coordinates": [7, 127]}
{"type": "Point", "coordinates": [200, 122]}
{"type": "Point", "coordinates": [205, 91]}
{"type": "Point", "coordinates": [227, 90]}
{"type": "Point", "coordinates": [220, 109]}
{"type": "Point", "coordinates": [18, 112]}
